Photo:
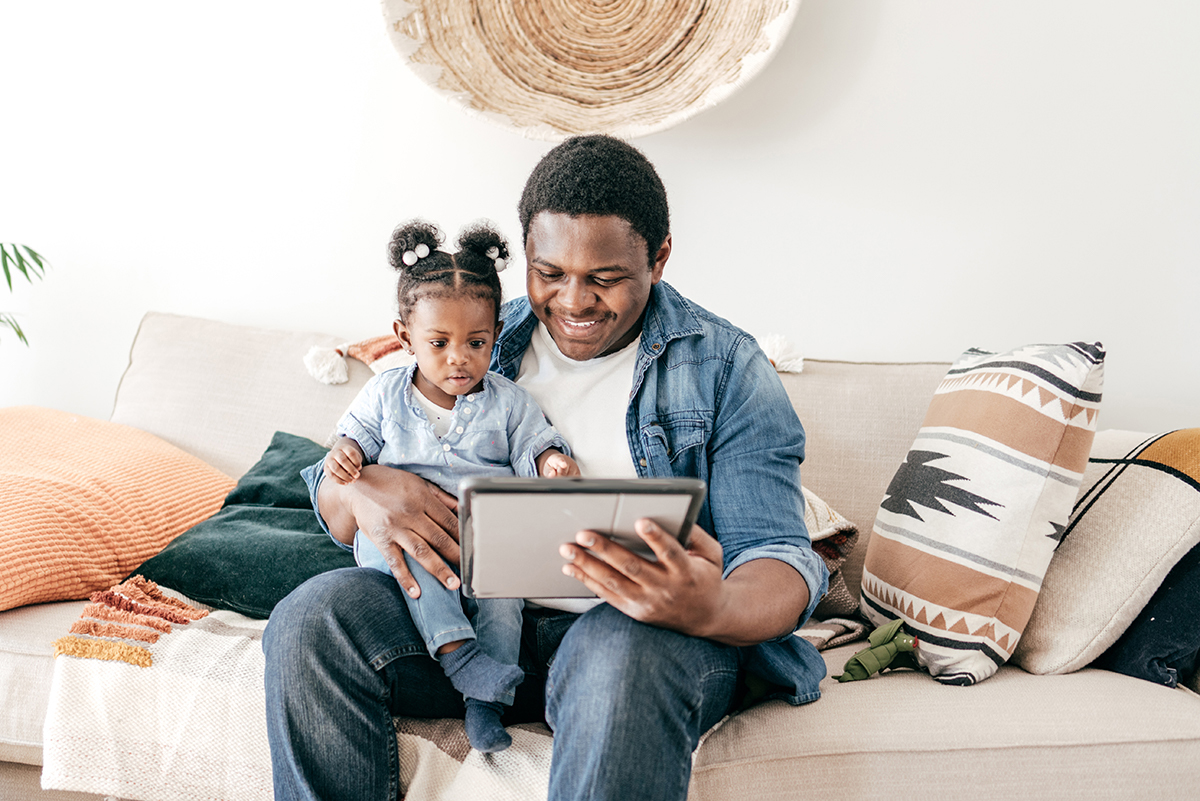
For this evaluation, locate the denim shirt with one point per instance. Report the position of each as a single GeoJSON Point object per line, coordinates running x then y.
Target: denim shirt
{"type": "Point", "coordinates": [498, 431]}
{"type": "Point", "coordinates": [706, 403]}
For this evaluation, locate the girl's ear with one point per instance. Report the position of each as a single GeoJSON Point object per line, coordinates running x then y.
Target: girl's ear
{"type": "Point", "coordinates": [499, 328]}
{"type": "Point", "coordinates": [403, 335]}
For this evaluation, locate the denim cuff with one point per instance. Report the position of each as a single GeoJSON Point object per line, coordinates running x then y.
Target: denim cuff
{"type": "Point", "coordinates": [805, 561]}
{"type": "Point", "coordinates": [525, 465]}
{"type": "Point", "coordinates": [349, 427]}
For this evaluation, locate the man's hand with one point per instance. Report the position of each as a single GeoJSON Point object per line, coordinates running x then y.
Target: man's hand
{"type": "Point", "coordinates": [398, 511]}
{"type": "Point", "coordinates": [682, 591]}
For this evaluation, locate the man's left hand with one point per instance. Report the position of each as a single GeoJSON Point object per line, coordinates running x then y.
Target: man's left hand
{"type": "Point", "coordinates": [682, 591]}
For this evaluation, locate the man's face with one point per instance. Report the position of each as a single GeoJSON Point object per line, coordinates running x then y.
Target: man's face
{"type": "Point", "coordinates": [588, 281]}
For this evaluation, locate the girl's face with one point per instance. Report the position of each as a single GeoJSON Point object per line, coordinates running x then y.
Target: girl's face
{"type": "Point", "coordinates": [452, 338]}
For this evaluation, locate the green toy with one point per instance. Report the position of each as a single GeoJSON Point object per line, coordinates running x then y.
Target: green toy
{"type": "Point", "coordinates": [890, 648]}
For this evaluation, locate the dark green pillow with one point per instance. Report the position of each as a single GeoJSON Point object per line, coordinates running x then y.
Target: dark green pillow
{"type": "Point", "coordinates": [263, 543]}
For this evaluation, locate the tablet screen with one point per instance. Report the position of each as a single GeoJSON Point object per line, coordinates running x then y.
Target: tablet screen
{"type": "Point", "coordinates": [511, 532]}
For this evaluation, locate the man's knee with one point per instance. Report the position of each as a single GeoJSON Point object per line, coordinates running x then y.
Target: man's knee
{"type": "Point", "coordinates": [330, 609]}
{"type": "Point", "coordinates": [608, 660]}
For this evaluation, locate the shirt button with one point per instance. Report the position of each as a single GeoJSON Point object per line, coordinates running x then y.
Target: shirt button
{"type": "Point", "coordinates": [458, 430]}
{"type": "Point", "coordinates": [471, 397]}
{"type": "Point", "coordinates": [445, 447]}
{"type": "Point", "coordinates": [642, 462]}
{"type": "Point", "coordinates": [466, 410]}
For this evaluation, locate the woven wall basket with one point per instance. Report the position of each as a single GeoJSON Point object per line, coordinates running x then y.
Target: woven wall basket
{"type": "Point", "coordinates": [553, 68]}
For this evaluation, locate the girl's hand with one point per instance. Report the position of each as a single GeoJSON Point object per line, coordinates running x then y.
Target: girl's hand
{"type": "Point", "coordinates": [344, 461]}
{"type": "Point", "coordinates": [556, 464]}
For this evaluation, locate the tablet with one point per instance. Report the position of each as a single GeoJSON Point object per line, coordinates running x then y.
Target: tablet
{"type": "Point", "coordinates": [510, 529]}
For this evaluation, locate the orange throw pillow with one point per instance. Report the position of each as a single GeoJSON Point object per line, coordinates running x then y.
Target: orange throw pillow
{"type": "Point", "coordinates": [83, 502]}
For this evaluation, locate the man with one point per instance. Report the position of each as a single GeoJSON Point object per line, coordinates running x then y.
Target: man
{"type": "Point", "coordinates": [642, 383]}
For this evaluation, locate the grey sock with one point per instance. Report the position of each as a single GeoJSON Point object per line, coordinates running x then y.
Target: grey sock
{"type": "Point", "coordinates": [476, 675]}
{"type": "Point", "coordinates": [484, 729]}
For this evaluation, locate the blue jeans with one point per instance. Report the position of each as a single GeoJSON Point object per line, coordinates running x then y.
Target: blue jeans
{"type": "Point", "coordinates": [443, 616]}
{"type": "Point", "coordinates": [628, 702]}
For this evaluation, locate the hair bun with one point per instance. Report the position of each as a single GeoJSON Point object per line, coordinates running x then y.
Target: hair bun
{"type": "Point", "coordinates": [482, 240]}
{"type": "Point", "coordinates": [411, 242]}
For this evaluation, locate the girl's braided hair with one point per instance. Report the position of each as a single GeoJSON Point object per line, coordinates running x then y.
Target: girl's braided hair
{"type": "Point", "coordinates": [427, 271]}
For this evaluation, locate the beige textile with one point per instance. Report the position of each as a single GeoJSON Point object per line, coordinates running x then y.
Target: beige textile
{"type": "Point", "coordinates": [559, 67]}
{"type": "Point", "coordinates": [220, 391]}
{"type": "Point", "coordinates": [1088, 735]}
{"type": "Point", "coordinates": [27, 638]}
{"type": "Point", "coordinates": [859, 421]}
{"type": "Point", "coordinates": [1133, 521]}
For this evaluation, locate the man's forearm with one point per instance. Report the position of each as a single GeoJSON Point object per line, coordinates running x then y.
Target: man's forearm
{"type": "Point", "coordinates": [764, 599]}
{"type": "Point", "coordinates": [334, 507]}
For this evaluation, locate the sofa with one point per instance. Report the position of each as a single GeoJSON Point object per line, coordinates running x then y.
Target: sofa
{"type": "Point", "coordinates": [220, 392]}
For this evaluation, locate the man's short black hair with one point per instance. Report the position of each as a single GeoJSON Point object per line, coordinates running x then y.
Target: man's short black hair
{"type": "Point", "coordinates": [599, 175]}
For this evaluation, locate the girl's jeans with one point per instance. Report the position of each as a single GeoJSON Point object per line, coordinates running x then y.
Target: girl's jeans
{"type": "Point", "coordinates": [628, 702]}
{"type": "Point", "coordinates": [442, 616]}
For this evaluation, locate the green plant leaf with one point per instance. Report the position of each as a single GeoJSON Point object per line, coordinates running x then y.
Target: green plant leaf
{"type": "Point", "coordinates": [36, 258]}
{"type": "Point", "coordinates": [30, 263]}
{"type": "Point", "coordinates": [11, 322]}
{"type": "Point", "coordinates": [4, 262]}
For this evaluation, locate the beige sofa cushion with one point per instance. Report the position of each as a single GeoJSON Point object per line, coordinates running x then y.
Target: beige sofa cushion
{"type": "Point", "coordinates": [27, 638]}
{"type": "Point", "coordinates": [1091, 734]}
{"type": "Point", "coordinates": [860, 419]}
{"type": "Point", "coordinates": [220, 391]}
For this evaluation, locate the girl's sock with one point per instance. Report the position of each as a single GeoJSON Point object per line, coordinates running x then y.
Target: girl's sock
{"type": "Point", "coordinates": [476, 675]}
{"type": "Point", "coordinates": [484, 729]}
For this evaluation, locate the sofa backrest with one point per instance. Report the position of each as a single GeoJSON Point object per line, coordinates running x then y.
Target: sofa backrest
{"type": "Point", "coordinates": [860, 420]}
{"type": "Point", "coordinates": [220, 391]}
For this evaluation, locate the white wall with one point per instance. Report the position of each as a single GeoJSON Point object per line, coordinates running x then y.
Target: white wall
{"type": "Point", "coordinates": [906, 179]}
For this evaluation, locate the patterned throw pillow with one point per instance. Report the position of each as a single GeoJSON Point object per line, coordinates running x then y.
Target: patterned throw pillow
{"type": "Point", "coordinates": [1136, 517]}
{"type": "Point", "coordinates": [972, 517]}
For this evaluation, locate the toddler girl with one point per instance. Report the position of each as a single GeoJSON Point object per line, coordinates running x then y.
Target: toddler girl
{"type": "Point", "coordinates": [446, 417]}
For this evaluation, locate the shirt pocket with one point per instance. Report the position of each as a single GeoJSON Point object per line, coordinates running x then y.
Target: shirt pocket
{"type": "Point", "coordinates": [675, 445]}
{"type": "Point", "coordinates": [485, 445]}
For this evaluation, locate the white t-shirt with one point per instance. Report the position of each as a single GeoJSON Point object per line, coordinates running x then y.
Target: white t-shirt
{"type": "Point", "coordinates": [587, 402]}
{"type": "Point", "coordinates": [438, 417]}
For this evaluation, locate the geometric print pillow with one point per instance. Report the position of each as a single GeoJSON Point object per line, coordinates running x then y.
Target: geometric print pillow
{"type": "Point", "coordinates": [971, 519]}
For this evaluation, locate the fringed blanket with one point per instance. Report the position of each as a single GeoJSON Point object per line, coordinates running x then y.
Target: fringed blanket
{"type": "Point", "coordinates": [160, 699]}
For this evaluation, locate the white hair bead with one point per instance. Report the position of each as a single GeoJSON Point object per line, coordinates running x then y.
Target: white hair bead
{"type": "Point", "coordinates": [500, 265]}
{"type": "Point", "coordinates": [422, 250]}
{"type": "Point", "coordinates": [493, 252]}
{"type": "Point", "coordinates": [409, 258]}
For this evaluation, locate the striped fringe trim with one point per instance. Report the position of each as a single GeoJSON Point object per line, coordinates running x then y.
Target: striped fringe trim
{"type": "Point", "coordinates": [120, 621]}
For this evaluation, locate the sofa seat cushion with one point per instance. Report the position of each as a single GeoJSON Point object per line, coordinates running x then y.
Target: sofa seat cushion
{"type": "Point", "coordinates": [27, 636]}
{"type": "Point", "coordinates": [1090, 734]}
